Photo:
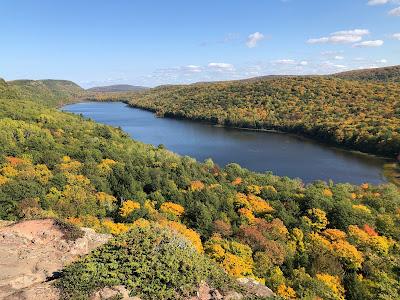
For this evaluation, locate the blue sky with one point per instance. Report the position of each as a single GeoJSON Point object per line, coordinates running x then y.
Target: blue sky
{"type": "Point", "coordinates": [159, 42]}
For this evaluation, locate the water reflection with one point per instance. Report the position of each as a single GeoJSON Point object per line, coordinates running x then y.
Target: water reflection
{"type": "Point", "coordinates": [283, 154]}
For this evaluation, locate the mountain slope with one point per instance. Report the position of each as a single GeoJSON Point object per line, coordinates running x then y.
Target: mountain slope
{"type": "Point", "coordinates": [117, 88]}
{"type": "Point", "coordinates": [45, 91]}
{"type": "Point", "coordinates": [7, 91]}
{"type": "Point", "coordinates": [386, 74]}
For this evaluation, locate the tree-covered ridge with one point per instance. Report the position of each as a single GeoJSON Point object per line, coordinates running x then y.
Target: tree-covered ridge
{"type": "Point", "coordinates": [320, 240]}
{"type": "Point", "coordinates": [117, 88]}
{"type": "Point", "coordinates": [109, 96]}
{"type": "Point", "coordinates": [51, 92]}
{"type": "Point", "coordinates": [386, 74]}
{"type": "Point", "coordinates": [363, 116]}
{"type": "Point", "coordinates": [7, 91]}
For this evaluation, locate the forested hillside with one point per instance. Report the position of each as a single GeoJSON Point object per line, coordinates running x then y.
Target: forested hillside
{"type": "Point", "coordinates": [363, 116]}
{"type": "Point", "coordinates": [48, 92]}
{"type": "Point", "coordinates": [387, 74]}
{"type": "Point", "coordinates": [320, 241]}
{"type": "Point", "coordinates": [117, 88]}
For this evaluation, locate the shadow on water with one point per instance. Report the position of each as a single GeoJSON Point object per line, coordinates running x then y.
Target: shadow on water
{"type": "Point", "coordinates": [283, 154]}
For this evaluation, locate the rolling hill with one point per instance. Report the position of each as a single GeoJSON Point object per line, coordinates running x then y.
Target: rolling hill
{"type": "Point", "coordinates": [46, 91]}
{"type": "Point", "coordinates": [387, 74]}
{"type": "Point", "coordinates": [117, 88]}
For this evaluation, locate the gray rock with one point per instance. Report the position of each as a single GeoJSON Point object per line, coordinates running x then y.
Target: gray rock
{"type": "Point", "coordinates": [255, 288]}
{"type": "Point", "coordinates": [233, 296]}
{"type": "Point", "coordinates": [110, 292]}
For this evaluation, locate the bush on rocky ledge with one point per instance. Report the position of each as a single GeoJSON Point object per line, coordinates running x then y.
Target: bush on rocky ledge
{"type": "Point", "coordinates": [152, 262]}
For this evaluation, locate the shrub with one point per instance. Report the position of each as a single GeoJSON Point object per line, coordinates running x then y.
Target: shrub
{"type": "Point", "coordinates": [70, 231]}
{"type": "Point", "coordinates": [151, 261]}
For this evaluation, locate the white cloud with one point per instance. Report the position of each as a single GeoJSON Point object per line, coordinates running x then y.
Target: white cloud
{"type": "Point", "coordinates": [340, 66]}
{"type": "Point", "coordinates": [341, 37]}
{"type": "Point", "coordinates": [366, 44]}
{"type": "Point", "coordinates": [216, 71]}
{"type": "Point", "coordinates": [339, 57]}
{"type": "Point", "coordinates": [221, 67]}
{"type": "Point", "coordinates": [190, 73]}
{"type": "Point", "coordinates": [192, 68]}
{"type": "Point", "coordinates": [253, 39]}
{"type": "Point", "coordinates": [357, 32]}
{"type": "Point", "coordinates": [396, 36]}
{"type": "Point", "coordinates": [332, 53]}
{"type": "Point", "coordinates": [382, 2]}
{"type": "Point", "coordinates": [377, 2]}
{"type": "Point", "coordinates": [285, 61]}
{"type": "Point", "coordinates": [107, 81]}
{"type": "Point", "coordinates": [290, 63]}
{"type": "Point", "coordinates": [395, 12]}
{"type": "Point", "coordinates": [330, 65]}
{"type": "Point", "coordinates": [367, 67]}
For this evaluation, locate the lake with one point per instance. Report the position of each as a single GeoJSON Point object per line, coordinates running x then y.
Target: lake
{"type": "Point", "coordinates": [283, 154]}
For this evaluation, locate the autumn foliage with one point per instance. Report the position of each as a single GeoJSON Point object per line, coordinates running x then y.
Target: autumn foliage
{"type": "Point", "coordinates": [310, 241]}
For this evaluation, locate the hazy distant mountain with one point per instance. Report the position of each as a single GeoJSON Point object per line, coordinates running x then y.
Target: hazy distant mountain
{"type": "Point", "coordinates": [117, 88]}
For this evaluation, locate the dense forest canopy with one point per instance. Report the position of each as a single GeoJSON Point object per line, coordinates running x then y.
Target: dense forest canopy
{"type": "Point", "coordinates": [316, 241]}
{"type": "Point", "coordinates": [386, 74]}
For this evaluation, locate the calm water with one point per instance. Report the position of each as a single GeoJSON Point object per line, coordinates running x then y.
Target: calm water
{"type": "Point", "coordinates": [283, 154]}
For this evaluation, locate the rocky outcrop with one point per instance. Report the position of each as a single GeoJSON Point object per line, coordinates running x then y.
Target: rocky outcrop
{"type": "Point", "coordinates": [206, 293]}
{"type": "Point", "coordinates": [112, 292]}
{"type": "Point", "coordinates": [33, 252]}
{"type": "Point", "coordinates": [249, 287]}
{"type": "Point", "coordinates": [255, 288]}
